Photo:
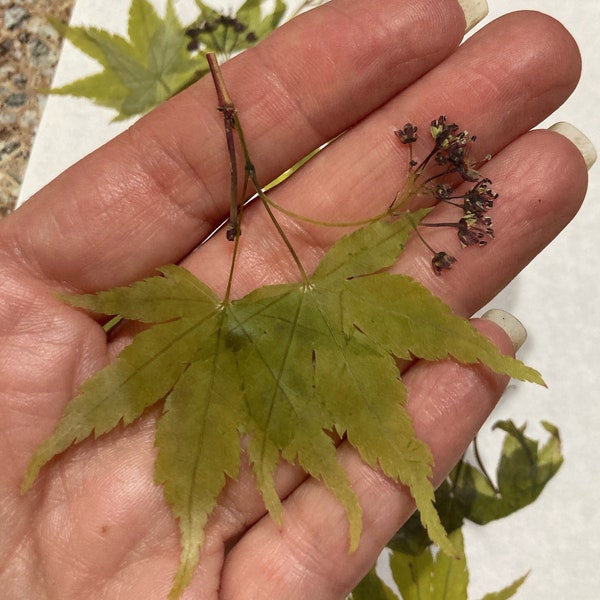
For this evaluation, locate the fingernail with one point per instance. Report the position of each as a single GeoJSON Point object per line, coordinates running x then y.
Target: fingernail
{"type": "Point", "coordinates": [511, 325]}
{"type": "Point", "coordinates": [475, 11]}
{"type": "Point", "coordinates": [584, 145]}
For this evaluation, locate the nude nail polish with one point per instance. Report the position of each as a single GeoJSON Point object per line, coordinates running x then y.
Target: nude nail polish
{"type": "Point", "coordinates": [511, 325]}
{"type": "Point", "coordinates": [475, 11]}
{"type": "Point", "coordinates": [584, 145]}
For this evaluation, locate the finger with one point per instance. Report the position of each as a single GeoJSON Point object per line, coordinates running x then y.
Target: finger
{"type": "Point", "coordinates": [536, 202]}
{"type": "Point", "coordinates": [361, 173]}
{"type": "Point", "coordinates": [151, 195]}
{"type": "Point", "coordinates": [308, 557]}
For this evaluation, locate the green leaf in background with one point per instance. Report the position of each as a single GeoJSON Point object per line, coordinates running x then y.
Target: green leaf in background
{"type": "Point", "coordinates": [225, 35]}
{"type": "Point", "coordinates": [522, 474]}
{"type": "Point", "coordinates": [427, 576]}
{"type": "Point", "coordinates": [161, 56]}
{"type": "Point", "coordinates": [139, 72]}
{"type": "Point", "coordinates": [372, 587]}
{"type": "Point", "coordinates": [423, 577]}
{"type": "Point", "coordinates": [523, 471]}
{"type": "Point", "coordinates": [284, 365]}
{"type": "Point", "coordinates": [251, 15]}
{"type": "Point", "coordinates": [507, 592]}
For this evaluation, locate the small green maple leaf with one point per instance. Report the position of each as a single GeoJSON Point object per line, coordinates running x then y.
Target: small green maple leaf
{"type": "Point", "coordinates": [139, 72]}
{"type": "Point", "coordinates": [372, 587]}
{"type": "Point", "coordinates": [157, 60]}
{"type": "Point", "coordinates": [523, 471]}
{"type": "Point", "coordinates": [285, 365]}
{"type": "Point", "coordinates": [423, 577]}
{"type": "Point", "coordinates": [507, 592]}
{"type": "Point", "coordinates": [428, 577]}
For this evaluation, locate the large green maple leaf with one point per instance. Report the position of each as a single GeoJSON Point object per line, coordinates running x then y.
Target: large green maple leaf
{"type": "Point", "coordinates": [139, 72]}
{"type": "Point", "coordinates": [284, 365]}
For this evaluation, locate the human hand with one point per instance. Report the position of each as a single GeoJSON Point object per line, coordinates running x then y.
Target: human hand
{"type": "Point", "coordinates": [95, 524]}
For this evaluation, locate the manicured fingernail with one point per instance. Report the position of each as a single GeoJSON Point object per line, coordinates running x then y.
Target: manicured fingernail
{"type": "Point", "coordinates": [475, 11]}
{"type": "Point", "coordinates": [583, 143]}
{"type": "Point", "coordinates": [511, 325]}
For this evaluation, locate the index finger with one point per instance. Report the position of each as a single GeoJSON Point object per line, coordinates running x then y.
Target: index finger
{"type": "Point", "coordinates": [151, 195]}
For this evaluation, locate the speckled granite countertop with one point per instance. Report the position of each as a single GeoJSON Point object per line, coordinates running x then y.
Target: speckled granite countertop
{"type": "Point", "coordinates": [29, 50]}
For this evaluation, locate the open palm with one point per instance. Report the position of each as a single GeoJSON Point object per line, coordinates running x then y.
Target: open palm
{"type": "Point", "coordinates": [95, 525]}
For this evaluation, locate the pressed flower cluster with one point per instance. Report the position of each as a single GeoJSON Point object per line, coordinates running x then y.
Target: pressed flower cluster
{"type": "Point", "coordinates": [450, 159]}
{"type": "Point", "coordinates": [225, 33]}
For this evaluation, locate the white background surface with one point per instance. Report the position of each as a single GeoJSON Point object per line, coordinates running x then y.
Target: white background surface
{"type": "Point", "coordinates": [556, 297]}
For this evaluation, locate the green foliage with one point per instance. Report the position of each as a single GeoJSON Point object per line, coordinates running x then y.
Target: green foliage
{"type": "Point", "coordinates": [225, 35]}
{"type": "Point", "coordinates": [285, 364]}
{"type": "Point", "coordinates": [161, 56]}
{"type": "Point", "coordinates": [523, 471]}
{"type": "Point", "coordinates": [139, 72]}
{"type": "Point", "coordinates": [469, 494]}
{"type": "Point", "coordinates": [423, 577]}
{"type": "Point", "coordinates": [507, 592]}
{"type": "Point", "coordinates": [371, 587]}
{"type": "Point", "coordinates": [522, 474]}
{"type": "Point", "coordinates": [428, 577]}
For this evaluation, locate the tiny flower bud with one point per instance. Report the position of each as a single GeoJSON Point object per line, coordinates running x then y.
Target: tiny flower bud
{"type": "Point", "coordinates": [442, 191]}
{"type": "Point", "coordinates": [441, 261]}
{"type": "Point", "coordinates": [408, 135]}
{"type": "Point", "coordinates": [209, 26]}
{"type": "Point", "coordinates": [227, 20]}
{"type": "Point", "coordinates": [193, 32]}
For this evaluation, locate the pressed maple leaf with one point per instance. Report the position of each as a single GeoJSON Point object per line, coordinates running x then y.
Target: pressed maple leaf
{"type": "Point", "coordinates": [139, 72]}
{"type": "Point", "coordinates": [285, 365]}
{"type": "Point", "coordinates": [426, 576]}
{"type": "Point", "coordinates": [160, 56]}
{"type": "Point", "coordinates": [523, 472]}
{"type": "Point", "coordinates": [468, 493]}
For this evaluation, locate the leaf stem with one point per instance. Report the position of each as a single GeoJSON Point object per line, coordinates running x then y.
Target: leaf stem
{"type": "Point", "coordinates": [232, 122]}
{"type": "Point", "coordinates": [416, 230]}
{"type": "Point", "coordinates": [227, 107]}
{"type": "Point", "coordinates": [110, 325]}
{"type": "Point", "coordinates": [282, 234]}
{"type": "Point", "coordinates": [224, 38]}
{"type": "Point", "coordinates": [236, 245]}
{"type": "Point", "coordinates": [306, 219]}
{"type": "Point", "coordinates": [482, 466]}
